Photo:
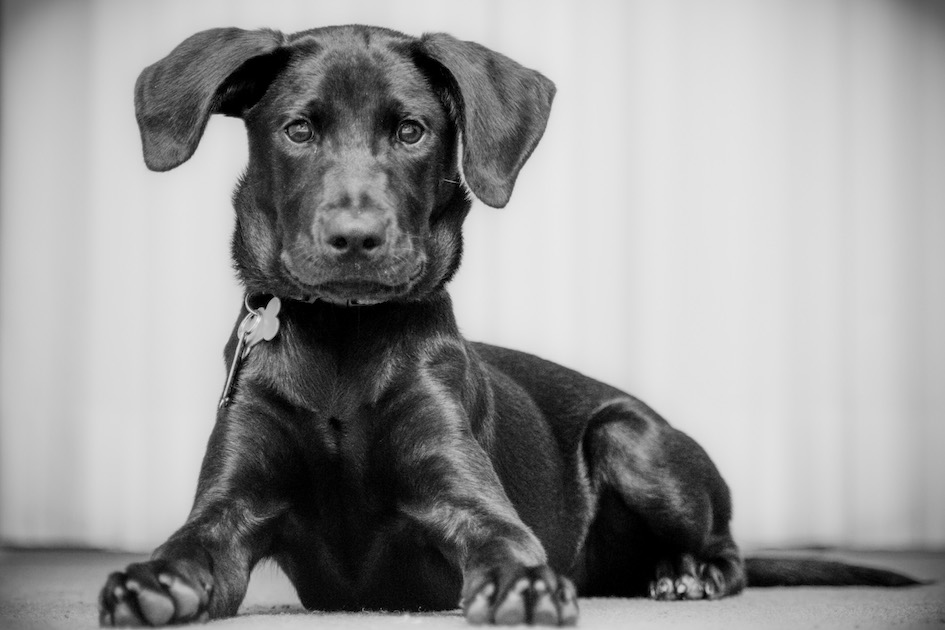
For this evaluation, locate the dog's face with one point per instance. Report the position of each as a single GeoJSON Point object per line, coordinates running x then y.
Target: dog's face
{"type": "Point", "coordinates": [353, 191]}
{"type": "Point", "coordinates": [355, 151]}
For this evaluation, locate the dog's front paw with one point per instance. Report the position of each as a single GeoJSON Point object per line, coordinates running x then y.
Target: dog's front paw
{"type": "Point", "coordinates": [154, 593]}
{"type": "Point", "coordinates": [520, 595]}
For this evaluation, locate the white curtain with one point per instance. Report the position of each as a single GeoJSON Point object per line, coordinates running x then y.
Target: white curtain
{"type": "Point", "coordinates": [737, 213]}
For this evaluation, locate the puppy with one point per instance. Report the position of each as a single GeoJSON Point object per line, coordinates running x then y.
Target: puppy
{"type": "Point", "coordinates": [383, 461]}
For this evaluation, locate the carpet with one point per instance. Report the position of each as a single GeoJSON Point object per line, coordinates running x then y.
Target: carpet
{"type": "Point", "coordinates": [58, 589]}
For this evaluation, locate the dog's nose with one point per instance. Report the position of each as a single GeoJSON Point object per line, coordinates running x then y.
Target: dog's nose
{"type": "Point", "coordinates": [357, 234]}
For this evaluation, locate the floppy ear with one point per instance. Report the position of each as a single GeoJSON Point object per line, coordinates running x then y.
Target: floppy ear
{"type": "Point", "coordinates": [222, 70]}
{"type": "Point", "coordinates": [502, 111]}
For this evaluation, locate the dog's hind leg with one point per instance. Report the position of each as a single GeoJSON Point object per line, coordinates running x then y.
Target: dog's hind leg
{"type": "Point", "coordinates": [662, 526]}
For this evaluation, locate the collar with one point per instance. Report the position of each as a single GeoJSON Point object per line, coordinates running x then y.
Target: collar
{"type": "Point", "coordinates": [304, 299]}
{"type": "Point", "coordinates": [312, 299]}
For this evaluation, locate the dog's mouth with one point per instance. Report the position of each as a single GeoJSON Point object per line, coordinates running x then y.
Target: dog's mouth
{"type": "Point", "coordinates": [360, 293]}
{"type": "Point", "coordinates": [356, 285]}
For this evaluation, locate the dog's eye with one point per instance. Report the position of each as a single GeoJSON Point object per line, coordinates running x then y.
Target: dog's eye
{"type": "Point", "coordinates": [409, 132]}
{"type": "Point", "coordinates": [300, 131]}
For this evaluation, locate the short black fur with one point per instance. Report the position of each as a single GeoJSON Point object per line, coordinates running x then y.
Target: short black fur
{"type": "Point", "coordinates": [383, 461]}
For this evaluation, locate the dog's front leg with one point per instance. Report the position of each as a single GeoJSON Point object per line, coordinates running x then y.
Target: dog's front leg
{"type": "Point", "coordinates": [202, 571]}
{"type": "Point", "coordinates": [453, 492]}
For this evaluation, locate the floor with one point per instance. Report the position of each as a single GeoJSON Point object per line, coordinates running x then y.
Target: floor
{"type": "Point", "coordinates": [57, 589]}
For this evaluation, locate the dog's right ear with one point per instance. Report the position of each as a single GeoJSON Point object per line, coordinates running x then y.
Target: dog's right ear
{"type": "Point", "coordinates": [222, 70]}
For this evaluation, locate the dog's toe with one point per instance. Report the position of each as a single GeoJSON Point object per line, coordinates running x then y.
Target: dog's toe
{"type": "Point", "coordinates": [544, 609]}
{"type": "Point", "coordinates": [118, 605]}
{"type": "Point", "coordinates": [663, 589]}
{"type": "Point", "coordinates": [689, 587]}
{"type": "Point", "coordinates": [511, 609]}
{"type": "Point", "coordinates": [124, 616]}
{"type": "Point", "coordinates": [155, 606]}
{"type": "Point", "coordinates": [567, 600]}
{"type": "Point", "coordinates": [479, 608]}
{"type": "Point", "coordinates": [713, 581]}
{"type": "Point", "coordinates": [187, 601]}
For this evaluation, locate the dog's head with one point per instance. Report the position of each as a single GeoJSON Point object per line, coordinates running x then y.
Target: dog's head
{"type": "Point", "coordinates": [355, 188]}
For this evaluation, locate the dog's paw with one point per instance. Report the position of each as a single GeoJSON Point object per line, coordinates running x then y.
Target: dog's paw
{"type": "Point", "coordinates": [154, 593]}
{"type": "Point", "coordinates": [519, 595]}
{"type": "Point", "coordinates": [687, 578]}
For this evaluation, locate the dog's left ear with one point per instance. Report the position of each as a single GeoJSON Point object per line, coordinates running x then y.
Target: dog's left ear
{"type": "Point", "coordinates": [502, 109]}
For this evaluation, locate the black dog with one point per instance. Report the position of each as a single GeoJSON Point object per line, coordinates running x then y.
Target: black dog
{"type": "Point", "coordinates": [379, 458]}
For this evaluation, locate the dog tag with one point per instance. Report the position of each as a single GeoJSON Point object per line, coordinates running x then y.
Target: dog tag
{"type": "Point", "coordinates": [260, 324]}
{"type": "Point", "coordinates": [264, 327]}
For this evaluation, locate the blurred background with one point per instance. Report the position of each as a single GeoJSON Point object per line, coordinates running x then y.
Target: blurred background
{"type": "Point", "coordinates": [737, 213]}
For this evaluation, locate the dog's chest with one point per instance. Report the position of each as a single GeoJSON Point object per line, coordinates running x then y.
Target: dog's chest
{"type": "Point", "coordinates": [346, 494]}
{"type": "Point", "coordinates": [334, 425]}
{"type": "Point", "coordinates": [345, 526]}
{"type": "Point", "coordinates": [336, 409]}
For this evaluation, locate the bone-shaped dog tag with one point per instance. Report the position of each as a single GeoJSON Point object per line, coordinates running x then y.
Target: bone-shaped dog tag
{"type": "Point", "coordinates": [264, 327]}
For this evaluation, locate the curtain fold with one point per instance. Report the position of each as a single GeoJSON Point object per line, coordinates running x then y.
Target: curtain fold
{"type": "Point", "coordinates": [737, 214]}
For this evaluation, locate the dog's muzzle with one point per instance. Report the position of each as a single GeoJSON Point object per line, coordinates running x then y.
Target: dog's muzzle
{"type": "Point", "coordinates": [354, 278]}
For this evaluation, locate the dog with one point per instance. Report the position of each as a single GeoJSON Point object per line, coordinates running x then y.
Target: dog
{"type": "Point", "coordinates": [383, 461]}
